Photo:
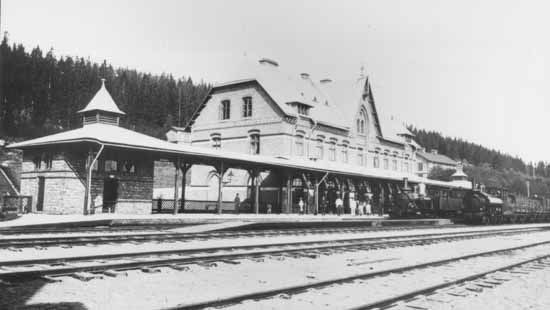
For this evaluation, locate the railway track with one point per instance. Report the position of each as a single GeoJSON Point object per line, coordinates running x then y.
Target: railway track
{"type": "Point", "coordinates": [408, 287]}
{"type": "Point", "coordinates": [74, 240]}
{"type": "Point", "coordinates": [177, 259]}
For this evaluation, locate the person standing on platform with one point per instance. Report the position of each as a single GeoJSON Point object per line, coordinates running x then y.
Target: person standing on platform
{"type": "Point", "coordinates": [368, 207]}
{"type": "Point", "coordinates": [360, 208]}
{"type": "Point", "coordinates": [339, 205]}
{"type": "Point", "coordinates": [301, 205]}
{"type": "Point", "coordinates": [352, 205]}
{"type": "Point", "coordinates": [237, 202]}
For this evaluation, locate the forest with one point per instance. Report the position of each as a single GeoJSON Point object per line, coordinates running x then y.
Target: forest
{"type": "Point", "coordinates": [40, 94]}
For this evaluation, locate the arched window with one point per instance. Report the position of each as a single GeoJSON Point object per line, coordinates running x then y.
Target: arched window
{"type": "Point", "coordinates": [254, 141]}
{"type": "Point", "coordinates": [386, 159]}
{"type": "Point", "coordinates": [345, 151]}
{"type": "Point", "coordinates": [299, 145]}
{"type": "Point", "coordinates": [360, 156]}
{"type": "Point", "coordinates": [216, 140]}
{"type": "Point", "coordinates": [394, 161]}
{"type": "Point", "coordinates": [376, 158]}
{"type": "Point", "coordinates": [332, 150]}
{"type": "Point", "coordinates": [362, 122]}
{"type": "Point", "coordinates": [320, 148]}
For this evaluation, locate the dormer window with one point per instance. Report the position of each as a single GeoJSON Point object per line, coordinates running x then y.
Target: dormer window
{"type": "Point", "coordinates": [302, 109]}
{"type": "Point", "coordinates": [247, 107]}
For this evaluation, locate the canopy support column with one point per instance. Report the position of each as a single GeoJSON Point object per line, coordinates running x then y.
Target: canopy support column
{"type": "Point", "coordinates": [184, 169]}
{"type": "Point", "coordinates": [288, 208]}
{"type": "Point", "coordinates": [257, 194]}
{"type": "Point", "coordinates": [177, 164]}
{"type": "Point", "coordinates": [90, 161]}
{"type": "Point", "coordinates": [220, 187]}
{"type": "Point", "coordinates": [254, 178]}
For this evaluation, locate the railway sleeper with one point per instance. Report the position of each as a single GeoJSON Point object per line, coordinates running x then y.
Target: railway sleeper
{"type": "Point", "coordinates": [86, 276]}
{"type": "Point", "coordinates": [180, 267]}
{"type": "Point", "coordinates": [50, 279]}
{"type": "Point", "coordinates": [115, 273]}
{"type": "Point", "coordinates": [150, 269]}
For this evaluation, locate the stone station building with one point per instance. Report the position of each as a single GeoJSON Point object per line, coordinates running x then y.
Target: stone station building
{"type": "Point", "coordinates": [102, 167]}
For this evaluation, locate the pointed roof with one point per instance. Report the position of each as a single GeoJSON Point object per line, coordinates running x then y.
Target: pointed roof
{"type": "Point", "coordinates": [102, 101]}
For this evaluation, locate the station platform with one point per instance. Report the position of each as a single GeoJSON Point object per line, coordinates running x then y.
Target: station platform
{"type": "Point", "coordinates": [208, 222]}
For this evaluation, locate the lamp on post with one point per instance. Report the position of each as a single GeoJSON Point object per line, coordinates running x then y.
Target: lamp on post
{"type": "Point", "coordinates": [228, 178]}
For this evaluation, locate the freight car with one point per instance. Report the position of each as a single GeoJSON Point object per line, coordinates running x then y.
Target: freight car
{"type": "Point", "coordinates": [521, 209]}
{"type": "Point", "coordinates": [492, 206]}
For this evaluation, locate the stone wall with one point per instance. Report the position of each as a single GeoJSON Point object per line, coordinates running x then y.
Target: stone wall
{"type": "Point", "coordinates": [65, 183]}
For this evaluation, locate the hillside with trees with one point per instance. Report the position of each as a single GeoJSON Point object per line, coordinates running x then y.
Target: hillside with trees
{"type": "Point", "coordinates": [486, 166]}
{"type": "Point", "coordinates": [40, 94]}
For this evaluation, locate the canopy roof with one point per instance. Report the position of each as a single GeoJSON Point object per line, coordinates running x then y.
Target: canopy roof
{"type": "Point", "coordinates": [102, 101]}
{"type": "Point", "coordinates": [437, 158]}
{"type": "Point", "coordinates": [119, 137]}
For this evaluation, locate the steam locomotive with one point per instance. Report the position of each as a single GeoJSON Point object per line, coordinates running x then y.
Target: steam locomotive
{"type": "Point", "coordinates": [475, 206]}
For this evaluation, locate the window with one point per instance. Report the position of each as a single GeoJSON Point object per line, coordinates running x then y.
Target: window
{"type": "Point", "coordinates": [128, 166]}
{"type": "Point", "coordinates": [37, 162]}
{"type": "Point", "coordinates": [360, 157]}
{"type": "Point", "coordinates": [320, 149]}
{"type": "Point", "coordinates": [47, 161]}
{"type": "Point", "coordinates": [303, 109]}
{"type": "Point", "coordinates": [376, 158]}
{"type": "Point", "coordinates": [110, 165]}
{"type": "Point", "coordinates": [394, 164]}
{"type": "Point", "coordinates": [344, 153]}
{"type": "Point", "coordinates": [361, 122]}
{"type": "Point", "coordinates": [332, 151]}
{"type": "Point", "coordinates": [407, 167]}
{"type": "Point", "coordinates": [255, 143]}
{"type": "Point", "coordinates": [247, 106]}
{"type": "Point", "coordinates": [225, 109]}
{"type": "Point", "coordinates": [216, 141]}
{"type": "Point", "coordinates": [420, 166]}
{"type": "Point", "coordinates": [299, 145]}
{"type": "Point", "coordinates": [386, 163]}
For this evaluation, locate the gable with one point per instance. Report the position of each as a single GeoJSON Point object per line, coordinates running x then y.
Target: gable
{"type": "Point", "coordinates": [263, 107]}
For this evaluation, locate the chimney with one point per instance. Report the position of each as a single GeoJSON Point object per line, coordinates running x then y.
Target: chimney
{"type": "Point", "coordinates": [434, 151]}
{"type": "Point", "coordinates": [304, 75]}
{"type": "Point", "coordinates": [268, 62]}
{"type": "Point", "coordinates": [325, 81]}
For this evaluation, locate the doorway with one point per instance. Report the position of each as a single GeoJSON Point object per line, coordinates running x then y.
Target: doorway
{"type": "Point", "coordinates": [40, 198]}
{"type": "Point", "coordinates": [110, 195]}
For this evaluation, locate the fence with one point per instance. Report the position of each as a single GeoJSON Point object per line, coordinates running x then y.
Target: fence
{"type": "Point", "coordinates": [195, 206]}
{"type": "Point", "coordinates": [16, 204]}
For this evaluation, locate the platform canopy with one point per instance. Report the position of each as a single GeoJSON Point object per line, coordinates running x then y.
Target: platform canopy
{"type": "Point", "coordinates": [122, 138]}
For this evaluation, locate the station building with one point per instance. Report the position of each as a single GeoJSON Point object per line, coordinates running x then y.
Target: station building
{"type": "Point", "coordinates": [270, 112]}
{"type": "Point", "coordinates": [427, 161]}
{"type": "Point", "coordinates": [273, 138]}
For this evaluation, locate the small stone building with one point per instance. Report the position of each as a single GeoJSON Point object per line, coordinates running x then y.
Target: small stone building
{"type": "Point", "coordinates": [56, 169]}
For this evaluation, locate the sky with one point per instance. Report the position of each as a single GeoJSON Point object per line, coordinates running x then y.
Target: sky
{"type": "Point", "coordinates": [473, 69]}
